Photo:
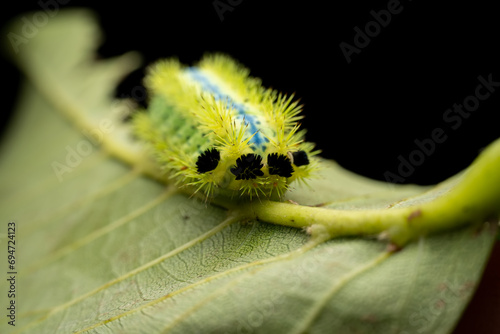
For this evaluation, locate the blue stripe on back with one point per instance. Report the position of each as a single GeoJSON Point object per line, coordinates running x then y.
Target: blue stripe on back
{"type": "Point", "coordinates": [195, 73]}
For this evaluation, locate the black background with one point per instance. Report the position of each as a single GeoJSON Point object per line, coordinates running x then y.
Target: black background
{"type": "Point", "coordinates": [364, 114]}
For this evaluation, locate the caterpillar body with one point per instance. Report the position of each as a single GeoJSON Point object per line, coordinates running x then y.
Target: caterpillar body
{"type": "Point", "coordinates": [217, 129]}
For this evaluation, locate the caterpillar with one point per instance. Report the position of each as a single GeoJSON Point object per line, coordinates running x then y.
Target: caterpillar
{"type": "Point", "coordinates": [215, 128]}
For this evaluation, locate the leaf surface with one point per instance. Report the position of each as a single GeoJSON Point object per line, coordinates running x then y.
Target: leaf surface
{"type": "Point", "coordinates": [101, 248]}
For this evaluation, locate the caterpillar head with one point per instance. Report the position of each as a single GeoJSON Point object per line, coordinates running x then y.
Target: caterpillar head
{"type": "Point", "coordinates": [214, 128]}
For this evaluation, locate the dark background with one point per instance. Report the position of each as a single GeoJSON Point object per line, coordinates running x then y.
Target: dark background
{"type": "Point", "coordinates": [364, 114]}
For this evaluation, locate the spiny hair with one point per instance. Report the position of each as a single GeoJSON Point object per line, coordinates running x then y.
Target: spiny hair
{"type": "Point", "coordinates": [215, 128]}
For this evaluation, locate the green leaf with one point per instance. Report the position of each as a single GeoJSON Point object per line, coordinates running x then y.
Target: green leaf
{"type": "Point", "coordinates": [101, 248]}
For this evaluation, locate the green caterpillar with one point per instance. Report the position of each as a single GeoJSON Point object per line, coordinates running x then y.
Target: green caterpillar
{"type": "Point", "coordinates": [215, 128]}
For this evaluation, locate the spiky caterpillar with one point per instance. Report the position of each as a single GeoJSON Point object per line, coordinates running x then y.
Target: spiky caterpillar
{"type": "Point", "coordinates": [214, 127]}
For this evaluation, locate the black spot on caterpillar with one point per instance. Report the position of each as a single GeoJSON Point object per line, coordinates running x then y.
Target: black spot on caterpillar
{"type": "Point", "coordinates": [279, 164]}
{"type": "Point", "coordinates": [208, 160]}
{"type": "Point", "coordinates": [248, 167]}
